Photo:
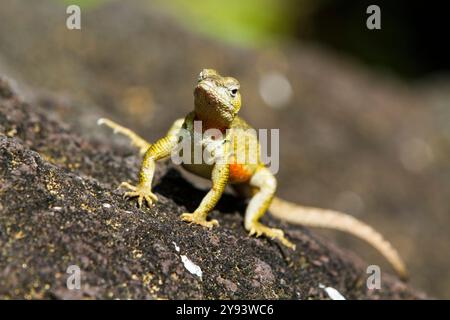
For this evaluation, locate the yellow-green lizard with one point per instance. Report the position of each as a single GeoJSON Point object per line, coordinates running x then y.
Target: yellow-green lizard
{"type": "Point", "coordinates": [217, 101]}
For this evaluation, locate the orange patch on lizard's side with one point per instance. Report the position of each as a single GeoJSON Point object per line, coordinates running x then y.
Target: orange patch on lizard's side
{"type": "Point", "coordinates": [239, 172]}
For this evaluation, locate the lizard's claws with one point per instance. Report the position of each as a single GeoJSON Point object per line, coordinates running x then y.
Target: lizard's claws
{"type": "Point", "coordinates": [199, 219]}
{"type": "Point", "coordinates": [258, 229]}
{"type": "Point", "coordinates": [141, 192]}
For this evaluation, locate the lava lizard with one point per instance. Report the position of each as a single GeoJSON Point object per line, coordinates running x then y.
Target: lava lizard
{"type": "Point", "coordinates": [217, 101]}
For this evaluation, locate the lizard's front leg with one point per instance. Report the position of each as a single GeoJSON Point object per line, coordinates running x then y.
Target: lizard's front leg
{"type": "Point", "coordinates": [266, 184]}
{"type": "Point", "coordinates": [160, 149]}
{"type": "Point", "coordinates": [219, 179]}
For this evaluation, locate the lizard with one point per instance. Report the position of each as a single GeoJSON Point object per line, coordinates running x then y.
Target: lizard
{"type": "Point", "coordinates": [217, 100]}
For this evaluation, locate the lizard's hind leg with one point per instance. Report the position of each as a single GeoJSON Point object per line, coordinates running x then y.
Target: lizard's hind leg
{"type": "Point", "coordinates": [136, 140]}
{"type": "Point", "coordinates": [265, 185]}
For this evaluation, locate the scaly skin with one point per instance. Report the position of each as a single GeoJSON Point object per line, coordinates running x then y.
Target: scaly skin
{"type": "Point", "coordinates": [216, 103]}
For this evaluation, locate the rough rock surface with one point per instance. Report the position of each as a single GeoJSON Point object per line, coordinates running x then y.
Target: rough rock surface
{"type": "Point", "coordinates": [59, 206]}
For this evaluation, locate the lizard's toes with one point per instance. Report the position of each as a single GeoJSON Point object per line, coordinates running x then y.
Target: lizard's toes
{"type": "Point", "coordinates": [152, 196]}
{"type": "Point", "coordinates": [288, 244]}
{"type": "Point", "coordinates": [198, 219]}
{"type": "Point", "coordinates": [255, 232]}
{"type": "Point", "coordinates": [142, 193]}
{"type": "Point", "coordinates": [150, 199]}
{"type": "Point", "coordinates": [130, 194]}
{"type": "Point", "coordinates": [140, 198]}
{"type": "Point", "coordinates": [212, 223]}
{"type": "Point", "coordinates": [276, 233]}
{"type": "Point", "coordinates": [187, 217]}
{"type": "Point", "coordinates": [128, 186]}
{"type": "Point", "coordinates": [279, 234]}
{"type": "Point", "coordinates": [258, 229]}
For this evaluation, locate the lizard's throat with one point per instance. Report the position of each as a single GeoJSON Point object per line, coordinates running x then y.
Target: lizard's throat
{"type": "Point", "coordinates": [209, 122]}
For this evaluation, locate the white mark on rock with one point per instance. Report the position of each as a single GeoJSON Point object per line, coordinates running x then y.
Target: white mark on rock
{"type": "Point", "coordinates": [57, 208]}
{"type": "Point", "coordinates": [191, 267]}
{"type": "Point", "coordinates": [332, 293]}
{"type": "Point", "coordinates": [176, 246]}
{"type": "Point", "coordinates": [106, 205]}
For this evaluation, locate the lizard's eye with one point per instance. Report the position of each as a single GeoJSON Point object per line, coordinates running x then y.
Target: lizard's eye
{"type": "Point", "coordinates": [233, 92]}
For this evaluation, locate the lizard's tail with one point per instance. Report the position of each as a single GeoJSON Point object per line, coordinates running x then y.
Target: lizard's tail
{"type": "Point", "coordinates": [322, 218]}
{"type": "Point", "coordinates": [135, 139]}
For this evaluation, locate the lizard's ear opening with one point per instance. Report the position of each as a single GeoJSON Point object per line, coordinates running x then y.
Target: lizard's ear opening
{"type": "Point", "coordinates": [206, 73]}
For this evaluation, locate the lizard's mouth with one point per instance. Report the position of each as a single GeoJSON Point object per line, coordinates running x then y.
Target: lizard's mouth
{"type": "Point", "coordinates": [208, 97]}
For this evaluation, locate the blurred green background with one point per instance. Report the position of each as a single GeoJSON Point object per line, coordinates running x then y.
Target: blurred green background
{"type": "Point", "coordinates": [411, 45]}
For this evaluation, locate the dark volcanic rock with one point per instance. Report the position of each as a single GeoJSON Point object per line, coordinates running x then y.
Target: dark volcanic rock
{"type": "Point", "coordinates": [59, 206]}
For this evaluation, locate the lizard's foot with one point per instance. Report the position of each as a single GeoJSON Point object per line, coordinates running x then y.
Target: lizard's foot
{"type": "Point", "coordinates": [259, 229]}
{"type": "Point", "coordinates": [199, 219]}
{"type": "Point", "coordinates": [141, 192]}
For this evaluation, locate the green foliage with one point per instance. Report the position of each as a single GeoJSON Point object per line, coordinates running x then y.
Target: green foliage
{"type": "Point", "coordinates": [240, 21]}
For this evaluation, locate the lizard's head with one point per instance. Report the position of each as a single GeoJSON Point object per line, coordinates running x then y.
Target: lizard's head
{"type": "Point", "coordinates": [217, 99]}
